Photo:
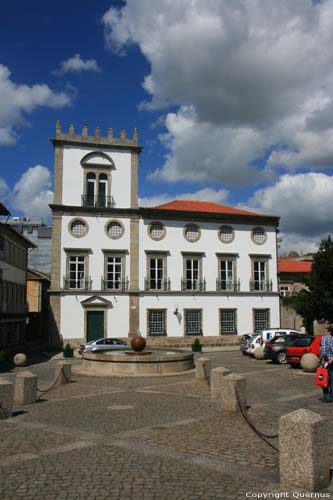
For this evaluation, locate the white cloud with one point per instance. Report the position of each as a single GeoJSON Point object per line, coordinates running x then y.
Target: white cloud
{"type": "Point", "coordinates": [247, 78]}
{"type": "Point", "coordinates": [18, 100]}
{"type": "Point", "coordinates": [305, 204]}
{"type": "Point", "coordinates": [3, 188]}
{"type": "Point", "coordinates": [206, 194]}
{"type": "Point", "coordinates": [77, 65]}
{"type": "Point", "coordinates": [32, 194]}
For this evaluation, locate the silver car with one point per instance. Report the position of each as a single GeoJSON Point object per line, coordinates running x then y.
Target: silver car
{"type": "Point", "coordinates": [106, 344]}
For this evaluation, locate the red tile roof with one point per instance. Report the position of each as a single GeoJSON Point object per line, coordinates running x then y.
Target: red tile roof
{"type": "Point", "coordinates": [294, 266]}
{"type": "Point", "coordinates": [204, 206]}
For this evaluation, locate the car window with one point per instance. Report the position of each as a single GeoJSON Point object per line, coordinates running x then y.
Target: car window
{"type": "Point", "coordinates": [119, 342]}
{"type": "Point", "coordinates": [279, 340]}
{"type": "Point", "coordinates": [102, 341]}
{"type": "Point", "coordinates": [109, 341]}
{"type": "Point", "coordinates": [302, 342]}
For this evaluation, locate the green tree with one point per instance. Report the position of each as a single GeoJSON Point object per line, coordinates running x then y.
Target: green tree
{"type": "Point", "coordinates": [316, 301]}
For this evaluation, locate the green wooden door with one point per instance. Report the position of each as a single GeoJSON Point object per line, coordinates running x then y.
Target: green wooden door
{"type": "Point", "coordinates": [95, 325]}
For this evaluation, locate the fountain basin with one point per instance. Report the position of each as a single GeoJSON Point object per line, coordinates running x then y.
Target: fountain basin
{"type": "Point", "coordinates": [158, 362]}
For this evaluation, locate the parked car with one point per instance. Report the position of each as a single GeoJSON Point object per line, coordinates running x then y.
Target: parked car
{"type": "Point", "coordinates": [255, 342]}
{"type": "Point", "coordinates": [275, 349]}
{"type": "Point", "coordinates": [271, 333]}
{"type": "Point", "coordinates": [246, 341]}
{"type": "Point", "coordinates": [303, 345]}
{"type": "Point", "coordinates": [106, 344]}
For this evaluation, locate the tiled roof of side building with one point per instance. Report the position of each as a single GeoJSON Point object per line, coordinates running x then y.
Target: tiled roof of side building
{"type": "Point", "coordinates": [294, 266]}
{"type": "Point", "coordinates": [205, 206]}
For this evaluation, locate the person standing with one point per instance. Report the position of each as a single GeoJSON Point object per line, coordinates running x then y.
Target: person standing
{"type": "Point", "coordinates": [326, 359]}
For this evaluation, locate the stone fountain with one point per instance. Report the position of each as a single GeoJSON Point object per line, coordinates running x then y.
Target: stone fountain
{"type": "Point", "coordinates": [137, 362]}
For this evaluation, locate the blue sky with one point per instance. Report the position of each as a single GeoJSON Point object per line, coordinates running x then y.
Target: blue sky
{"type": "Point", "coordinates": [233, 101]}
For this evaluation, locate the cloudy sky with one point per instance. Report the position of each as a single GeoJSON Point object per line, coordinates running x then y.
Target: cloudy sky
{"type": "Point", "coordinates": [233, 101]}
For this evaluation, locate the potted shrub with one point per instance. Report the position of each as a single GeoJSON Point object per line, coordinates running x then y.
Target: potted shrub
{"type": "Point", "coordinates": [68, 351]}
{"type": "Point", "coordinates": [196, 346]}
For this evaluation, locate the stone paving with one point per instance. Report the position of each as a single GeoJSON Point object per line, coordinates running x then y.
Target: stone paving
{"type": "Point", "coordinates": [151, 438]}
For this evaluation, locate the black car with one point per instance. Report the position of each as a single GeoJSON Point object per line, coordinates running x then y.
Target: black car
{"type": "Point", "coordinates": [276, 348]}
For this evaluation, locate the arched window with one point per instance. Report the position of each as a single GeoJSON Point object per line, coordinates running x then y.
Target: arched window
{"type": "Point", "coordinates": [90, 189]}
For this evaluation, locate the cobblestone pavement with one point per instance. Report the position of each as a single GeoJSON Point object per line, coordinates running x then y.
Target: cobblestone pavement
{"type": "Point", "coordinates": [151, 438]}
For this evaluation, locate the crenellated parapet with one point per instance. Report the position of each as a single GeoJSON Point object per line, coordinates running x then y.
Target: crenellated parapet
{"type": "Point", "coordinates": [84, 138]}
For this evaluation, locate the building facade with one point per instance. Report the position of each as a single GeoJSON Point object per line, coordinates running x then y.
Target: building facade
{"type": "Point", "coordinates": [39, 257]}
{"type": "Point", "coordinates": [13, 280]}
{"type": "Point", "coordinates": [175, 271]}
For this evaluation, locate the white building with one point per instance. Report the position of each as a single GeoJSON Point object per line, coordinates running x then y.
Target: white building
{"type": "Point", "coordinates": [175, 271]}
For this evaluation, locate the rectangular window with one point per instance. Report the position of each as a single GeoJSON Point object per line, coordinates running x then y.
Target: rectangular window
{"type": "Point", "coordinates": [228, 321]}
{"type": "Point", "coordinates": [260, 279]}
{"type": "Point", "coordinates": [156, 273]}
{"type": "Point", "coordinates": [76, 271]}
{"type": "Point", "coordinates": [193, 321]}
{"type": "Point", "coordinates": [284, 291]}
{"type": "Point", "coordinates": [156, 322]}
{"type": "Point", "coordinates": [192, 279]}
{"type": "Point", "coordinates": [114, 271]}
{"type": "Point", "coordinates": [227, 274]}
{"type": "Point", "coordinates": [261, 319]}
{"type": "Point", "coordinates": [114, 266]}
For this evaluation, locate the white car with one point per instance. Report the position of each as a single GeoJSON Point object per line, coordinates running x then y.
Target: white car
{"type": "Point", "coordinates": [256, 342]}
{"type": "Point", "coordinates": [271, 333]}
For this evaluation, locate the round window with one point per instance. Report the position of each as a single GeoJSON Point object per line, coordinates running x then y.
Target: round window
{"type": "Point", "coordinates": [78, 228]}
{"type": "Point", "coordinates": [156, 230]}
{"type": "Point", "coordinates": [192, 232]}
{"type": "Point", "coordinates": [259, 235]}
{"type": "Point", "coordinates": [114, 229]}
{"type": "Point", "coordinates": [226, 234]}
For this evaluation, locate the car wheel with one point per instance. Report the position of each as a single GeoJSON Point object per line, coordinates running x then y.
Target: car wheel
{"type": "Point", "coordinates": [281, 358]}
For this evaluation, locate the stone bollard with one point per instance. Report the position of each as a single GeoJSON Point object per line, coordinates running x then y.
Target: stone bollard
{"type": "Point", "coordinates": [216, 377]}
{"type": "Point", "coordinates": [62, 374]}
{"type": "Point", "coordinates": [25, 388]}
{"type": "Point", "coordinates": [259, 353]}
{"type": "Point", "coordinates": [233, 393]}
{"type": "Point", "coordinates": [304, 456]}
{"type": "Point", "coordinates": [6, 398]}
{"type": "Point", "coordinates": [203, 368]}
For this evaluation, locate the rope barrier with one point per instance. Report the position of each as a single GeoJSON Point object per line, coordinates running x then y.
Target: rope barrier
{"type": "Point", "coordinates": [44, 391]}
{"type": "Point", "coordinates": [259, 433]}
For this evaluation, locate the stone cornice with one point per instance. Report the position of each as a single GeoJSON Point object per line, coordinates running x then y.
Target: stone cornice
{"type": "Point", "coordinates": [155, 214]}
{"type": "Point", "coordinates": [103, 143]}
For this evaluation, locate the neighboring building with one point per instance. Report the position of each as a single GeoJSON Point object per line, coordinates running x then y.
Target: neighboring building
{"type": "Point", "coordinates": [291, 281]}
{"type": "Point", "coordinates": [170, 272]}
{"type": "Point", "coordinates": [13, 276]}
{"type": "Point", "coordinates": [38, 306]}
{"type": "Point", "coordinates": [39, 258]}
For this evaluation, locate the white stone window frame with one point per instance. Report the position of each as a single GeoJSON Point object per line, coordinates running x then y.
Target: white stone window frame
{"type": "Point", "coordinates": [78, 219]}
{"type": "Point", "coordinates": [187, 227]}
{"type": "Point", "coordinates": [232, 234]}
{"type": "Point", "coordinates": [150, 228]}
{"type": "Point", "coordinates": [261, 229]}
{"type": "Point", "coordinates": [114, 221]}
